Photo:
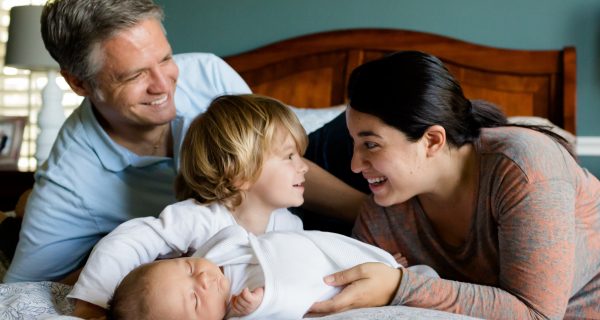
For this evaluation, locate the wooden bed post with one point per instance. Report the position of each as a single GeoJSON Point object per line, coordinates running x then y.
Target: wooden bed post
{"type": "Point", "coordinates": [569, 64]}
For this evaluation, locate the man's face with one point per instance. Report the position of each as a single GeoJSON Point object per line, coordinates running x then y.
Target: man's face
{"type": "Point", "coordinates": [136, 84]}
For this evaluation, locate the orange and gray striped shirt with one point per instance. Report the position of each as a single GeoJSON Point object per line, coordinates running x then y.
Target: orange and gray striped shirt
{"type": "Point", "coordinates": [533, 249]}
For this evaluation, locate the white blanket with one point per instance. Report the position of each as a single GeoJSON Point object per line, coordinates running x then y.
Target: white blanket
{"type": "Point", "coordinates": [294, 264]}
{"type": "Point", "coordinates": [47, 300]}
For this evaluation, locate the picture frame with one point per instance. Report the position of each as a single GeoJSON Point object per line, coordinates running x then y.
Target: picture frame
{"type": "Point", "coordinates": [11, 139]}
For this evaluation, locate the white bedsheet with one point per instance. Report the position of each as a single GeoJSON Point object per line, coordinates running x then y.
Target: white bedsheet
{"type": "Point", "coordinates": [47, 300]}
{"type": "Point", "coordinates": [34, 300]}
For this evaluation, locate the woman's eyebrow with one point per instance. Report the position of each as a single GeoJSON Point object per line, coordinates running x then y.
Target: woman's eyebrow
{"type": "Point", "coordinates": [368, 133]}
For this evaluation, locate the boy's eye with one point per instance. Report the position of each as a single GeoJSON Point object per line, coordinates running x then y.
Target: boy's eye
{"type": "Point", "coordinates": [291, 155]}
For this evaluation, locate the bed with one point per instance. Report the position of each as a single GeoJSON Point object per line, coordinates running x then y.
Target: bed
{"type": "Point", "coordinates": [310, 73]}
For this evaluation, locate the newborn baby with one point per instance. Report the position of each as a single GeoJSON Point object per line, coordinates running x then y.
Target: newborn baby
{"type": "Point", "coordinates": [278, 275]}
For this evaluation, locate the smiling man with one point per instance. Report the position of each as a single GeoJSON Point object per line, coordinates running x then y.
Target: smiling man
{"type": "Point", "coordinates": [117, 155]}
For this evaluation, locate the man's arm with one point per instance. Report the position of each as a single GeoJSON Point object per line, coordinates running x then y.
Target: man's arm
{"type": "Point", "coordinates": [327, 194]}
{"type": "Point", "coordinates": [56, 235]}
{"type": "Point", "coordinates": [71, 278]}
{"type": "Point", "coordinates": [88, 310]}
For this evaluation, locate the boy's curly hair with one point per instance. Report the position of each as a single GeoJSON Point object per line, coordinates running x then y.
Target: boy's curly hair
{"type": "Point", "coordinates": [225, 146]}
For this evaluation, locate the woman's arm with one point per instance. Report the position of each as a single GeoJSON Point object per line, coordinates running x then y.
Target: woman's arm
{"type": "Point", "coordinates": [327, 194]}
{"type": "Point", "coordinates": [369, 284]}
{"type": "Point", "coordinates": [536, 243]}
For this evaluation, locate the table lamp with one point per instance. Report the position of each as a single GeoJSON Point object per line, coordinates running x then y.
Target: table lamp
{"type": "Point", "coordinates": [25, 50]}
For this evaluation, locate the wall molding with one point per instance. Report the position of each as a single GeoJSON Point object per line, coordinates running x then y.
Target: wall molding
{"type": "Point", "coordinates": [588, 146]}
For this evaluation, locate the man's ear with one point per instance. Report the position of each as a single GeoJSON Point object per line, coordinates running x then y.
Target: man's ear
{"type": "Point", "coordinates": [77, 85]}
{"type": "Point", "coordinates": [434, 139]}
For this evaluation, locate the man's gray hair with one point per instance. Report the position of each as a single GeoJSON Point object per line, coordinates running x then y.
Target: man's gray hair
{"type": "Point", "coordinates": [74, 29]}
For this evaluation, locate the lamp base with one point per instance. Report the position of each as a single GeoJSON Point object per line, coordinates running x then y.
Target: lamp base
{"type": "Point", "coordinates": [50, 118]}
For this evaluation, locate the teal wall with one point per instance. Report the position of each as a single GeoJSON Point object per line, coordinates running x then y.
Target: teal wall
{"type": "Point", "coordinates": [227, 27]}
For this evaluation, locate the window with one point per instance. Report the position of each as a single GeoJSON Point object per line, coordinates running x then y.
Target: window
{"type": "Point", "coordinates": [20, 90]}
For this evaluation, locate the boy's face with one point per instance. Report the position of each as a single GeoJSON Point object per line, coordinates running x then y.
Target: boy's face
{"type": "Point", "coordinates": [188, 288]}
{"type": "Point", "coordinates": [281, 181]}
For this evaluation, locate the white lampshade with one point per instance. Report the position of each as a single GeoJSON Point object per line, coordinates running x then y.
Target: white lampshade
{"type": "Point", "coordinates": [25, 48]}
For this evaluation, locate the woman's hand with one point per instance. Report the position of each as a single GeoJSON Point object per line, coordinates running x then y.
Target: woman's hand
{"type": "Point", "coordinates": [369, 284]}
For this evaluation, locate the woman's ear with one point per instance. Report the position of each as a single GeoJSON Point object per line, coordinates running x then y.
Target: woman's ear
{"type": "Point", "coordinates": [77, 85]}
{"type": "Point", "coordinates": [435, 139]}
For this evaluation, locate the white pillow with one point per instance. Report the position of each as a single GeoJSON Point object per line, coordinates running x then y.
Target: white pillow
{"type": "Point", "coordinates": [313, 119]}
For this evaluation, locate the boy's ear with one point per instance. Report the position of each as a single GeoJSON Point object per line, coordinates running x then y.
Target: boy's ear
{"type": "Point", "coordinates": [77, 85]}
{"type": "Point", "coordinates": [243, 186]}
{"type": "Point", "coordinates": [434, 139]}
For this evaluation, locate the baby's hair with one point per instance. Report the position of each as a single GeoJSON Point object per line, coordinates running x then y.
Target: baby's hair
{"type": "Point", "coordinates": [130, 298]}
{"type": "Point", "coordinates": [225, 146]}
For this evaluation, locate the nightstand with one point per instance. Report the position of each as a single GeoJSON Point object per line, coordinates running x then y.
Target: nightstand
{"type": "Point", "coordinates": [12, 185]}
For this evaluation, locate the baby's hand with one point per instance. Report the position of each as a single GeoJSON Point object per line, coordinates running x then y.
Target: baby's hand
{"type": "Point", "coordinates": [401, 259]}
{"type": "Point", "coordinates": [246, 302]}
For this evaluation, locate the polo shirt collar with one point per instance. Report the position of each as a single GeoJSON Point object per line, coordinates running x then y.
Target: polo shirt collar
{"type": "Point", "coordinates": [111, 155]}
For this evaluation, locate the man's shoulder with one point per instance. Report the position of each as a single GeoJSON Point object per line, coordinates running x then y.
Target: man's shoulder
{"type": "Point", "coordinates": [195, 56]}
{"type": "Point", "coordinates": [202, 77]}
{"type": "Point", "coordinates": [72, 145]}
{"type": "Point", "coordinates": [73, 161]}
{"type": "Point", "coordinates": [196, 60]}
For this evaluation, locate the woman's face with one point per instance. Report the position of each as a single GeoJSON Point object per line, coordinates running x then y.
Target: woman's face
{"type": "Point", "coordinates": [392, 165]}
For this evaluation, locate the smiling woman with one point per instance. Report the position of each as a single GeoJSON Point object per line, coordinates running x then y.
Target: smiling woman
{"type": "Point", "coordinates": [457, 187]}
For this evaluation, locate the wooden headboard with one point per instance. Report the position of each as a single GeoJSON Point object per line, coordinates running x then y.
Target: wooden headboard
{"type": "Point", "coordinates": [312, 71]}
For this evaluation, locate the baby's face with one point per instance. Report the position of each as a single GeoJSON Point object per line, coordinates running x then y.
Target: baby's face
{"type": "Point", "coordinates": [188, 288]}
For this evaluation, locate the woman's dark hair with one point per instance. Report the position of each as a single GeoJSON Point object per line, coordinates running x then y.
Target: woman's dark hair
{"type": "Point", "coordinates": [412, 91]}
